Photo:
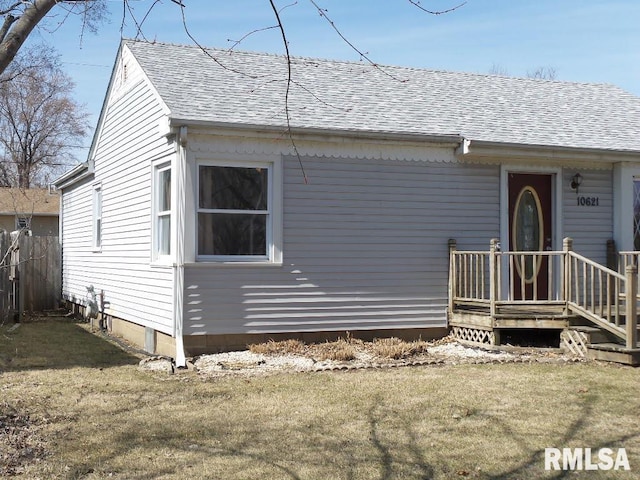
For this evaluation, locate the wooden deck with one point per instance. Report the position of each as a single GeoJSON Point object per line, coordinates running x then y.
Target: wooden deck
{"type": "Point", "coordinates": [486, 296]}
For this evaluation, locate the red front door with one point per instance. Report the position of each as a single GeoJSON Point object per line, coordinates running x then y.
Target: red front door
{"type": "Point", "coordinates": [530, 197]}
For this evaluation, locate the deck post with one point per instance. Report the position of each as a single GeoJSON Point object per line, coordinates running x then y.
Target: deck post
{"type": "Point", "coordinates": [612, 256]}
{"type": "Point", "coordinates": [453, 244]}
{"type": "Point", "coordinates": [565, 284]}
{"type": "Point", "coordinates": [493, 277]}
{"type": "Point", "coordinates": [631, 303]}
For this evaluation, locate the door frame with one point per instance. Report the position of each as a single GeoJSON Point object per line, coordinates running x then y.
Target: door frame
{"type": "Point", "coordinates": [556, 209]}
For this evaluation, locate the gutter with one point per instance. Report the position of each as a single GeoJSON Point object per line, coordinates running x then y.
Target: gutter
{"type": "Point", "coordinates": [479, 150]}
{"type": "Point", "coordinates": [179, 212]}
{"type": "Point", "coordinates": [76, 174]}
{"type": "Point", "coordinates": [452, 140]}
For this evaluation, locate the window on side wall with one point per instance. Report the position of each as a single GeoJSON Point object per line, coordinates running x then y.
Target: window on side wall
{"type": "Point", "coordinates": [162, 212]}
{"type": "Point", "coordinates": [235, 214]}
{"type": "Point", "coordinates": [636, 213]}
{"type": "Point", "coordinates": [23, 223]}
{"type": "Point", "coordinates": [97, 217]}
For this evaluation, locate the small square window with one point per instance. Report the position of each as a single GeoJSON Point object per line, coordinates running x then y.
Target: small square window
{"type": "Point", "coordinates": [22, 223]}
{"type": "Point", "coordinates": [235, 213]}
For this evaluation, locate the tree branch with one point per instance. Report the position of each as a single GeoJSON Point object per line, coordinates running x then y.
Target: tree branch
{"type": "Point", "coordinates": [6, 25]}
{"type": "Point", "coordinates": [17, 35]}
{"type": "Point", "coordinates": [288, 90]}
{"type": "Point", "coordinates": [323, 14]}
{"type": "Point", "coordinates": [417, 4]}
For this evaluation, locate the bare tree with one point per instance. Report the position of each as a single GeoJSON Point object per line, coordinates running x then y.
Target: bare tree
{"type": "Point", "coordinates": [543, 73]}
{"type": "Point", "coordinates": [497, 69]}
{"type": "Point", "coordinates": [40, 123]}
{"type": "Point", "coordinates": [540, 73]}
{"type": "Point", "coordinates": [20, 17]}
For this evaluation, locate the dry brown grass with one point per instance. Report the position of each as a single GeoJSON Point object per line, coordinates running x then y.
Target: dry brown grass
{"type": "Point", "coordinates": [96, 415]}
{"type": "Point", "coordinates": [396, 349]}
{"type": "Point", "coordinates": [341, 350]}
{"type": "Point", "coordinates": [283, 347]}
{"type": "Point", "coordinates": [344, 349]}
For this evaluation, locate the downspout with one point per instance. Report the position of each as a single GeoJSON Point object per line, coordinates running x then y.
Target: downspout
{"type": "Point", "coordinates": [179, 171]}
{"type": "Point", "coordinates": [60, 245]}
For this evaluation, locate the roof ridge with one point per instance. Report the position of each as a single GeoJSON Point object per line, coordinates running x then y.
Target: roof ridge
{"type": "Point", "coordinates": [378, 65]}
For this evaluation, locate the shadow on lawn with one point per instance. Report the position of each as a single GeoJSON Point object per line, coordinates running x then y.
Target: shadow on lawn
{"type": "Point", "coordinates": [380, 455]}
{"type": "Point", "coordinates": [535, 461]}
{"type": "Point", "coordinates": [56, 342]}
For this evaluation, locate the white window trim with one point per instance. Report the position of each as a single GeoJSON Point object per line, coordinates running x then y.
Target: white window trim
{"type": "Point", "coordinates": [97, 232]}
{"type": "Point", "coordinates": [163, 259]}
{"type": "Point", "coordinates": [273, 212]}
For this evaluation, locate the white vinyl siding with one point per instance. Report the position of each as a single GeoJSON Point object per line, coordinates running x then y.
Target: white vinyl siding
{"type": "Point", "coordinates": [128, 144]}
{"type": "Point", "coordinates": [589, 226]}
{"type": "Point", "coordinates": [365, 247]}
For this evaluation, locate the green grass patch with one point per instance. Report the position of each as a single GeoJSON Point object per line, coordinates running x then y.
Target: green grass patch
{"type": "Point", "coordinates": [92, 419]}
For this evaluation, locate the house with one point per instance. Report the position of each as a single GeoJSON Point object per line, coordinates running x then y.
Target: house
{"type": "Point", "coordinates": [34, 209]}
{"type": "Point", "coordinates": [202, 222]}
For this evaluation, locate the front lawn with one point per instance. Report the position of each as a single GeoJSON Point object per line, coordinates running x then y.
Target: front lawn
{"type": "Point", "coordinates": [73, 405]}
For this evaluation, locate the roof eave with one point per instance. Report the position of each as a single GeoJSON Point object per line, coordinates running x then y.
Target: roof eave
{"type": "Point", "coordinates": [485, 150]}
{"type": "Point", "coordinates": [450, 140]}
{"type": "Point", "coordinates": [76, 174]}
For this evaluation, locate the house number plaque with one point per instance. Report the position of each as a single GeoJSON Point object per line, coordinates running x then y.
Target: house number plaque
{"type": "Point", "coordinates": [588, 201]}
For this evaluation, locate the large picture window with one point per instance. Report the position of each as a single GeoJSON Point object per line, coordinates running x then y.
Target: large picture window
{"type": "Point", "coordinates": [234, 212]}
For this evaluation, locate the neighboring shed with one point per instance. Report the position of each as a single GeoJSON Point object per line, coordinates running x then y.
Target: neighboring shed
{"type": "Point", "coordinates": [193, 221]}
{"type": "Point", "coordinates": [34, 209]}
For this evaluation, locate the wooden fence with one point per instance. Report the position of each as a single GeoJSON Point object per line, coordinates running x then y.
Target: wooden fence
{"type": "Point", "coordinates": [30, 274]}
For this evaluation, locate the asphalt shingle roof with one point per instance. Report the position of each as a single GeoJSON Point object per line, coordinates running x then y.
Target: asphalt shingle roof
{"type": "Point", "coordinates": [249, 88]}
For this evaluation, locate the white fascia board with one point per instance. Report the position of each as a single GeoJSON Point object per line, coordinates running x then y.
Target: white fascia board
{"type": "Point", "coordinates": [79, 172]}
{"type": "Point", "coordinates": [479, 150]}
{"type": "Point", "coordinates": [300, 133]}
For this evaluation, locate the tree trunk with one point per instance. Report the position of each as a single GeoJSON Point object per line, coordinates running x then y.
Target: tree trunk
{"type": "Point", "coordinates": [21, 29]}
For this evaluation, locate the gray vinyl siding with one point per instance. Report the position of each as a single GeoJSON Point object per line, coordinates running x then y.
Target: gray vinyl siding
{"type": "Point", "coordinates": [589, 226]}
{"type": "Point", "coordinates": [128, 143]}
{"type": "Point", "coordinates": [365, 247]}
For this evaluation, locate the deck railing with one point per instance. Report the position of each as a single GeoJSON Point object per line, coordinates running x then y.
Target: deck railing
{"type": "Point", "coordinates": [496, 279]}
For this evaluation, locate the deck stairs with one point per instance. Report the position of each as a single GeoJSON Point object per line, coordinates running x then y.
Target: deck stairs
{"type": "Point", "coordinates": [584, 302]}
{"type": "Point", "coordinates": [588, 340]}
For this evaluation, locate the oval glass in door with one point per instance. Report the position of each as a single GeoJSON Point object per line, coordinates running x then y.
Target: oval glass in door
{"type": "Point", "coordinates": [528, 234]}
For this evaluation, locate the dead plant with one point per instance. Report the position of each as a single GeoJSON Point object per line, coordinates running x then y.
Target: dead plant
{"type": "Point", "coordinates": [396, 349]}
{"type": "Point", "coordinates": [282, 347]}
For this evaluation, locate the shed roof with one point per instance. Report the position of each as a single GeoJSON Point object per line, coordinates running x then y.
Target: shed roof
{"type": "Point", "coordinates": [249, 89]}
{"type": "Point", "coordinates": [32, 201]}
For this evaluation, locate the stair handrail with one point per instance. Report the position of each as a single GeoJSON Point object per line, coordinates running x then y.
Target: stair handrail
{"type": "Point", "coordinates": [587, 288]}
{"type": "Point", "coordinates": [616, 294]}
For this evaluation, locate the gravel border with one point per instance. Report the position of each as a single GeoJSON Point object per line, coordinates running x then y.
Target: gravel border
{"type": "Point", "coordinates": [448, 352]}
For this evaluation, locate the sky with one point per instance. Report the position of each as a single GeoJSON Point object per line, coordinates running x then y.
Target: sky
{"type": "Point", "coordinates": [582, 40]}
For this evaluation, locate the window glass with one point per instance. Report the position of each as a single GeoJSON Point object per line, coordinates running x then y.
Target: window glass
{"type": "Point", "coordinates": [165, 190]}
{"type": "Point", "coordinates": [233, 211]}
{"type": "Point", "coordinates": [163, 211]}
{"type": "Point", "coordinates": [636, 214]}
{"type": "Point", "coordinates": [97, 217]}
{"type": "Point", "coordinates": [232, 234]}
{"type": "Point", "coordinates": [164, 235]}
{"type": "Point", "coordinates": [233, 188]}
